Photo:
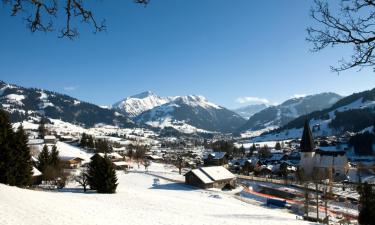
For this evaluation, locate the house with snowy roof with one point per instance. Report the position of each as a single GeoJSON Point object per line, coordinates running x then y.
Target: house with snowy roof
{"type": "Point", "coordinates": [216, 159]}
{"type": "Point", "coordinates": [210, 177]}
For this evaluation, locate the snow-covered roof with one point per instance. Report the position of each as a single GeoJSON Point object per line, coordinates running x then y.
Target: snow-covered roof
{"type": "Point", "coordinates": [211, 174]}
{"type": "Point", "coordinates": [203, 177]}
{"type": "Point", "coordinates": [69, 158]}
{"type": "Point", "coordinates": [217, 173]}
{"type": "Point", "coordinates": [121, 163]}
{"type": "Point", "coordinates": [216, 155]}
{"type": "Point", "coordinates": [36, 172]}
{"type": "Point", "coordinates": [35, 142]}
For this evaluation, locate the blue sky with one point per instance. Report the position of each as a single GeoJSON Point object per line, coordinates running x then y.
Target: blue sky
{"type": "Point", "coordinates": [225, 50]}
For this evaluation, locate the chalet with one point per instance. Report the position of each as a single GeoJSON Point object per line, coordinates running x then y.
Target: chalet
{"type": "Point", "coordinates": [216, 159]}
{"type": "Point", "coordinates": [50, 139]}
{"type": "Point", "coordinates": [121, 165]}
{"type": "Point", "coordinates": [112, 156]}
{"type": "Point", "coordinates": [210, 177]}
{"type": "Point", "coordinates": [154, 158]}
{"type": "Point", "coordinates": [120, 151]}
{"type": "Point", "coordinates": [277, 157]}
{"type": "Point", "coordinates": [71, 162]}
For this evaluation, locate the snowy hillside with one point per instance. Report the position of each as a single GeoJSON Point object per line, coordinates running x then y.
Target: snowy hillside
{"type": "Point", "coordinates": [355, 113]}
{"type": "Point", "coordinates": [194, 113]}
{"type": "Point", "coordinates": [277, 116]}
{"type": "Point", "coordinates": [137, 104]}
{"type": "Point", "coordinates": [23, 103]}
{"type": "Point", "coordinates": [138, 201]}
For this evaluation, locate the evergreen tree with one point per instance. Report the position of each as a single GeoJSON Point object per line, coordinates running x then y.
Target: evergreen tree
{"type": "Point", "coordinates": [242, 150]}
{"type": "Point", "coordinates": [23, 161]}
{"type": "Point", "coordinates": [15, 159]}
{"type": "Point", "coordinates": [84, 141]}
{"type": "Point", "coordinates": [278, 146]}
{"type": "Point", "coordinates": [90, 142]}
{"type": "Point", "coordinates": [252, 149]}
{"type": "Point", "coordinates": [54, 157]}
{"type": "Point", "coordinates": [7, 158]}
{"type": "Point", "coordinates": [102, 175]}
{"type": "Point", "coordinates": [44, 159]}
{"type": "Point", "coordinates": [367, 204]}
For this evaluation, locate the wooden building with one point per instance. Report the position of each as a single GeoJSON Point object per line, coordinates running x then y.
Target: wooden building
{"type": "Point", "coordinates": [71, 162]}
{"type": "Point", "coordinates": [210, 177]}
{"type": "Point", "coordinates": [216, 159]}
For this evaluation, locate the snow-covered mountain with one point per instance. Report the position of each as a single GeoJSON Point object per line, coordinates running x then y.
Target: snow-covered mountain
{"type": "Point", "coordinates": [137, 104]}
{"type": "Point", "coordinates": [23, 103]}
{"type": "Point", "coordinates": [248, 111]}
{"type": "Point", "coordinates": [277, 116]}
{"type": "Point", "coordinates": [192, 113]}
{"type": "Point", "coordinates": [355, 113]}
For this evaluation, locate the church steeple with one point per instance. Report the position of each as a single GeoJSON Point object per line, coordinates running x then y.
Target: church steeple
{"type": "Point", "coordinates": [307, 141]}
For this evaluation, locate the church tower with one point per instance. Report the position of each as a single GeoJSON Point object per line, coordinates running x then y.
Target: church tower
{"type": "Point", "coordinates": [307, 151]}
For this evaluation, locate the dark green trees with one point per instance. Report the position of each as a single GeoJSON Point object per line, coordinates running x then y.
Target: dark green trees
{"type": "Point", "coordinates": [367, 204]}
{"type": "Point", "coordinates": [102, 175]}
{"type": "Point", "coordinates": [15, 159]}
{"type": "Point", "coordinates": [24, 164]}
{"type": "Point", "coordinates": [43, 159]}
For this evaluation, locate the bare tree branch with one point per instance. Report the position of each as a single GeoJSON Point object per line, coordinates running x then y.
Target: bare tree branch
{"type": "Point", "coordinates": [40, 15]}
{"type": "Point", "coordinates": [353, 25]}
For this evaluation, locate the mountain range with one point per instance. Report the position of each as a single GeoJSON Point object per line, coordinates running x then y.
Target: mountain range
{"type": "Point", "coordinates": [276, 116]}
{"type": "Point", "coordinates": [329, 113]}
{"type": "Point", "coordinates": [25, 103]}
{"type": "Point", "coordinates": [354, 113]}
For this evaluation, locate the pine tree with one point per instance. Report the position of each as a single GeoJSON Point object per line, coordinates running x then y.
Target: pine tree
{"type": "Point", "coordinates": [84, 141]}
{"type": "Point", "coordinates": [7, 156]}
{"type": "Point", "coordinates": [278, 146]}
{"type": "Point", "coordinates": [102, 175]}
{"type": "Point", "coordinates": [23, 161]}
{"type": "Point", "coordinates": [44, 159]}
{"type": "Point", "coordinates": [54, 157]}
{"type": "Point", "coordinates": [110, 178]}
{"type": "Point", "coordinates": [367, 204]}
{"type": "Point", "coordinates": [252, 149]}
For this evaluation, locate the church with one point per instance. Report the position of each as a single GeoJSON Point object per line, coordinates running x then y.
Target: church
{"type": "Point", "coordinates": [321, 162]}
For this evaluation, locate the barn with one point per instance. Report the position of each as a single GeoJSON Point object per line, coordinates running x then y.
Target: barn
{"type": "Point", "coordinates": [210, 177]}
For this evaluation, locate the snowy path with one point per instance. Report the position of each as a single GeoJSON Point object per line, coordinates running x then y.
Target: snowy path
{"type": "Point", "coordinates": [137, 202]}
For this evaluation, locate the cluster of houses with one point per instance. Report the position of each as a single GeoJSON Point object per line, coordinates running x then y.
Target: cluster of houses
{"type": "Point", "coordinates": [215, 169]}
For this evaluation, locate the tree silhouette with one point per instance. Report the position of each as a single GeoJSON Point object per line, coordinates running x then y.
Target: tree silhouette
{"type": "Point", "coordinates": [351, 25]}
{"type": "Point", "coordinates": [40, 15]}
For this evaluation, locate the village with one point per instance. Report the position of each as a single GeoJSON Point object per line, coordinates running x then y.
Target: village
{"type": "Point", "coordinates": [314, 179]}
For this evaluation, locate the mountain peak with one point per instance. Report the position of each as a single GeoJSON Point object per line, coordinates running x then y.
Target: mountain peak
{"type": "Point", "coordinates": [143, 95]}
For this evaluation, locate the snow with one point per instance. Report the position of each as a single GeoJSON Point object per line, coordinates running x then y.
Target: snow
{"type": "Point", "coordinates": [181, 126]}
{"type": "Point", "coordinates": [15, 99]}
{"type": "Point", "coordinates": [137, 104]}
{"type": "Point", "coordinates": [217, 173]}
{"type": "Point", "coordinates": [67, 150]}
{"type": "Point", "coordinates": [36, 172]}
{"type": "Point", "coordinates": [203, 177]}
{"type": "Point", "coordinates": [138, 201]}
{"type": "Point", "coordinates": [198, 100]}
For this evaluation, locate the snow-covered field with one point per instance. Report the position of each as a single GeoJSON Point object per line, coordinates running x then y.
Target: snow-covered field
{"type": "Point", "coordinates": [138, 201]}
